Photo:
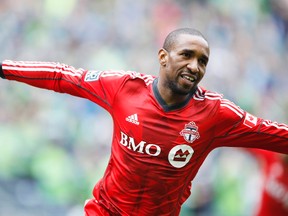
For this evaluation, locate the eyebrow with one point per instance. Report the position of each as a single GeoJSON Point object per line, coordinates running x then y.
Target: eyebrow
{"type": "Point", "coordinates": [192, 51]}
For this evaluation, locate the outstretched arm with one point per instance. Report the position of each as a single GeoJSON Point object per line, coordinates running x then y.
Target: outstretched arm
{"type": "Point", "coordinates": [49, 75]}
{"type": "Point", "coordinates": [238, 128]}
{"type": "Point", "coordinates": [65, 79]}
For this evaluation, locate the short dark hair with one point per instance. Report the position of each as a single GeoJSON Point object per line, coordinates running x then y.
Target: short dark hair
{"type": "Point", "coordinates": [172, 36]}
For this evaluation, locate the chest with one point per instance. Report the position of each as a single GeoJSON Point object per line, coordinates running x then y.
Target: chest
{"type": "Point", "coordinates": [143, 128]}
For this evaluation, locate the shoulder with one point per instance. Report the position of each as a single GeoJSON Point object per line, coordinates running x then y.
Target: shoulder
{"type": "Point", "coordinates": [203, 94]}
{"type": "Point", "coordinates": [146, 78]}
{"type": "Point", "coordinates": [217, 101]}
{"type": "Point", "coordinates": [125, 76]}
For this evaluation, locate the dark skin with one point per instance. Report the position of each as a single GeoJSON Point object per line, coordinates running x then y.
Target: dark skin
{"type": "Point", "coordinates": [182, 68]}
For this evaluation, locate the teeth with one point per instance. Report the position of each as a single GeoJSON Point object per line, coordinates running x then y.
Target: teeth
{"type": "Point", "coordinates": [189, 78]}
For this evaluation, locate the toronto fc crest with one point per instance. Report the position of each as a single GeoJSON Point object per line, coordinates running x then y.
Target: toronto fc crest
{"type": "Point", "coordinates": [190, 132]}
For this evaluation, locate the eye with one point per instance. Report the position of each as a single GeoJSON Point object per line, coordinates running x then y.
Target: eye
{"type": "Point", "coordinates": [186, 54]}
{"type": "Point", "coordinates": [203, 61]}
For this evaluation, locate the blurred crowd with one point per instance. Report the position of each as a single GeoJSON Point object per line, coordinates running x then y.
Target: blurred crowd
{"type": "Point", "coordinates": [54, 147]}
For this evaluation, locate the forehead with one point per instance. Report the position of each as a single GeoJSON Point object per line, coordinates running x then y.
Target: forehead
{"type": "Point", "coordinates": [191, 42]}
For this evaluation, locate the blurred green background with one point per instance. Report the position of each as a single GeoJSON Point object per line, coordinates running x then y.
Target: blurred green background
{"type": "Point", "coordinates": [54, 147]}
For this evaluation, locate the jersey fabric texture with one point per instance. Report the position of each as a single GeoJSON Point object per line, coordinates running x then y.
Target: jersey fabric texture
{"type": "Point", "coordinates": [274, 194]}
{"type": "Point", "coordinates": [156, 149]}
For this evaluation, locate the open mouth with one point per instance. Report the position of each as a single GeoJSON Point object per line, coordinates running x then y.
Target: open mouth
{"type": "Point", "coordinates": [189, 78]}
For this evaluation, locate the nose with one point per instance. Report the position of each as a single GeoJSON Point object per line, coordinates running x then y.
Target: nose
{"type": "Point", "coordinates": [193, 66]}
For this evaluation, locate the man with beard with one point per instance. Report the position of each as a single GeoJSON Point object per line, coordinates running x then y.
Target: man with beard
{"type": "Point", "coordinates": [164, 127]}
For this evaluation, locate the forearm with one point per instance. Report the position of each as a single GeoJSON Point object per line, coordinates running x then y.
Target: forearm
{"type": "Point", "coordinates": [265, 135]}
{"type": "Point", "coordinates": [241, 129]}
{"type": "Point", "coordinates": [47, 75]}
{"type": "Point", "coordinates": [60, 78]}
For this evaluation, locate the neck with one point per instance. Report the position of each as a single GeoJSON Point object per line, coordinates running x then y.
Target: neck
{"type": "Point", "coordinates": [169, 96]}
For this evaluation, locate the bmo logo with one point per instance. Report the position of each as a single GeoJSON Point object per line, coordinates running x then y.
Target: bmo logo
{"type": "Point", "coordinates": [141, 147]}
{"type": "Point", "coordinates": [180, 155]}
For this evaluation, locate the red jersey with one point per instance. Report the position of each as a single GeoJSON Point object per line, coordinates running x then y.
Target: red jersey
{"type": "Point", "coordinates": [274, 196]}
{"type": "Point", "coordinates": [157, 149]}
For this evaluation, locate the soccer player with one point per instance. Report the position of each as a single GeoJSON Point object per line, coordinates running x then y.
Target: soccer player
{"type": "Point", "coordinates": [274, 194]}
{"type": "Point", "coordinates": [164, 127]}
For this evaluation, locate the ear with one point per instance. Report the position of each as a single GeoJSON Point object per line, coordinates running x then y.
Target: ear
{"type": "Point", "coordinates": [162, 57]}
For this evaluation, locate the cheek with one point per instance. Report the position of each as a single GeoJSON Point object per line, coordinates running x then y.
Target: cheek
{"type": "Point", "coordinates": [202, 72]}
{"type": "Point", "coordinates": [201, 75]}
{"type": "Point", "coordinates": [171, 68]}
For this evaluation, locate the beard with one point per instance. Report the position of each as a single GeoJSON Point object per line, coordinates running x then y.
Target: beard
{"type": "Point", "coordinates": [179, 90]}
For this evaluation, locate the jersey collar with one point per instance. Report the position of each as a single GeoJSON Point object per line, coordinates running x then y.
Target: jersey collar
{"type": "Point", "coordinates": [163, 104]}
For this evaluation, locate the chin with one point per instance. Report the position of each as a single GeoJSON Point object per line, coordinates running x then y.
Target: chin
{"type": "Point", "coordinates": [181, 90]}
{"type": "Point", "coordinates": [187, 89]}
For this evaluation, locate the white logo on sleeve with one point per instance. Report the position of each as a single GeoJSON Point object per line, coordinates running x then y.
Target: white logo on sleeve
{"type": "Point", "coordinates": [133, 119]}
{"type": "Point", "coordinates": [250, 120]}
{"type": "Point", "coordinates": [92, 76]}
{"type": "Point", "coordinates": [180, 155]}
